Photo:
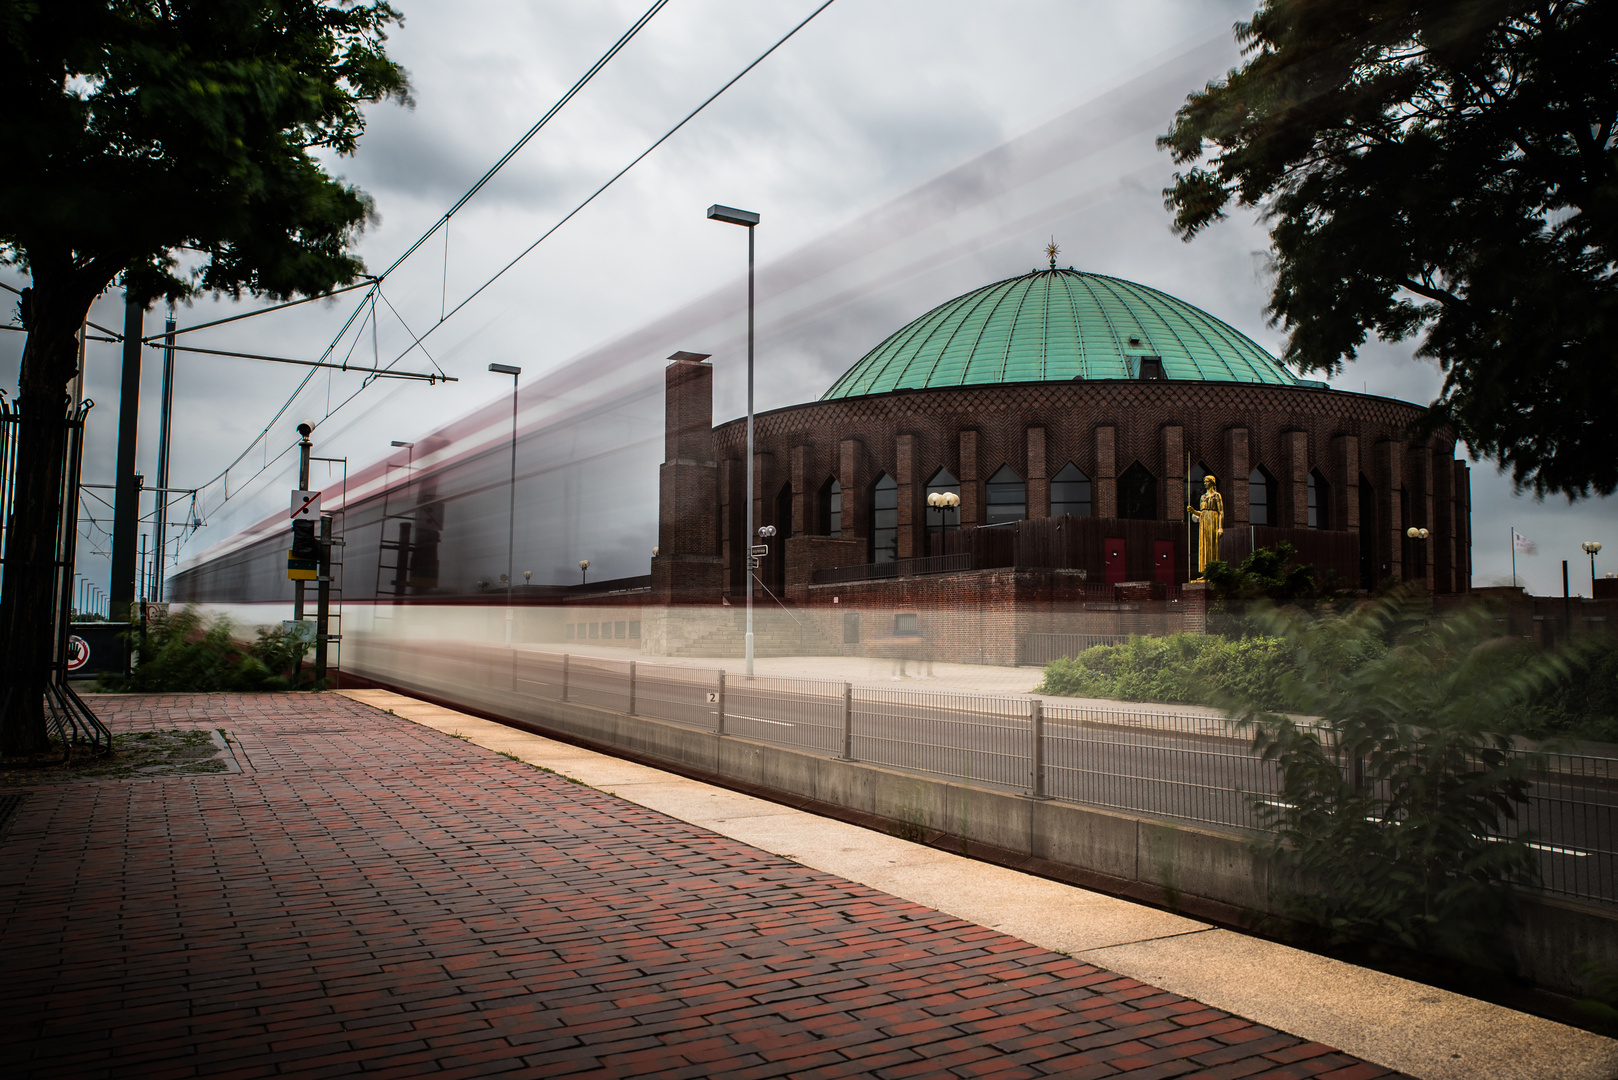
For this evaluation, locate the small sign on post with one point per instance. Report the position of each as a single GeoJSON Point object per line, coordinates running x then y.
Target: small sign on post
{"type": "Point", "coordinates": [306, 506]}
{"type": "Point", "coordinates": [303, 559]}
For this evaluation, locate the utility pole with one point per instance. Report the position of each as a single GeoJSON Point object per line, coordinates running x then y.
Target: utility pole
{"type": "Point", "coordinates": [305, 429]}
{"type": "Point", "coordinates": [322, 599]}
{"type": "Point", "coordinates": [161, 520]}
{"type": "Point", "coordinates": [126, 497]}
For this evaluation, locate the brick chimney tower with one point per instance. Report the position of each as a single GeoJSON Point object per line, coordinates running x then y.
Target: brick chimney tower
{"type": "Point", "coordinates": [687, 568]}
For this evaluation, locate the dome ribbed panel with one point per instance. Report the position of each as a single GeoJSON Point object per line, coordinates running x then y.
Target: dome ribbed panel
{"type": "Point", "coordinates": [1054, 326]}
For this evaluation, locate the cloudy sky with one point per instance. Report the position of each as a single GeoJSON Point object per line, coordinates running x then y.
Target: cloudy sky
{"type": "Point", "coordinates": [900, 152]}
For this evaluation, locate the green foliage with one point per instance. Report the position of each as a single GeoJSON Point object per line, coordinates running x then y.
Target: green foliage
{"type": "Point", "coordinates": [1443, 167]}
{"type": "Point", "coordinates": [1194, 669]}
{"type": "Point", "coordinates": [136, 130]}
{"type": "Point", "coordinates": [1583, 707]}
{"type": "Point", "coordinates": [1266, 574]}
{"type": "Point", "coordinates": [183, 653]}
{"type": "Point", "coordinates": [1389, 807]}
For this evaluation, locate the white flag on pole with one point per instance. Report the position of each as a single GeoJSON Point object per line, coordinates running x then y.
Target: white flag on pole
{"type": "Point", "coordinates": [1522, 545]}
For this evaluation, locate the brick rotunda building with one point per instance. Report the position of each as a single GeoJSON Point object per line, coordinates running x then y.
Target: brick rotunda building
{"type": "Point", "coordinates": [1063, 409]}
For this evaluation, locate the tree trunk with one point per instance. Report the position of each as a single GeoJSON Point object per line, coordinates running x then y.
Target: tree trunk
{"type": "Point", "coordinates": [52, 314]}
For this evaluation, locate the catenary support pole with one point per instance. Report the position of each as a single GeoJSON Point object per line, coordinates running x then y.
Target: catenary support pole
{"type": "Point", "coordinates": [126, 497]}
{"type": "Point", "coordinates": [751, 538]}
{"type": "Point", "coordinates": [160, 525]}
{"type": "Point", "coordinates": [323, 599]}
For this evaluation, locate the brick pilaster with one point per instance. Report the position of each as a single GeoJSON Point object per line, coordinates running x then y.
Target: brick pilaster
{"type": "Point", "coordinates": [1104, 488]}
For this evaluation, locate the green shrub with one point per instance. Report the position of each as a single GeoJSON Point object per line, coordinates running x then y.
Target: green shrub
{"type": "Point", "coordinates": [183, 653]}
{"type": "Point", "coordinates": [1194, 669]}
{"type": "Point", "coordinates": [1390, 807]}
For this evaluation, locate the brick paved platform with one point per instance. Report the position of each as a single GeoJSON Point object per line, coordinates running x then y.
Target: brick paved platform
{"type": "Point", "coordinates": [371, 896]}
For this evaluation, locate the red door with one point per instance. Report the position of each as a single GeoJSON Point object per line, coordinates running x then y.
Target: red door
{"type": "Point", "coordinates": [1163, 561]}
{"type": "Point", "coordinates": [1113, 561]}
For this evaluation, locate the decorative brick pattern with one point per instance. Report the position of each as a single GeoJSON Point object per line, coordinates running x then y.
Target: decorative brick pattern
{"type": "Point", "coordinates": [372, 896]}
{"type": "Point", "coordinates": [1104, 427]}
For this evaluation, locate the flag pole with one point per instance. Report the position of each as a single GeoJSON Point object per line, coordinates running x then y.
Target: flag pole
{"type": "Point", "coordinates": [1514, 556]}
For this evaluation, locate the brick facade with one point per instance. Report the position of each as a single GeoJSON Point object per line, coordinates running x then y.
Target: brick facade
{"type": "Point", "coordinates": [1104, 428]}
{"type": "Point", "coordinates": [1310, 442]}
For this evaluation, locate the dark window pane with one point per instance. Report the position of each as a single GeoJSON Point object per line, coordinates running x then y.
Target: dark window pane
{"type": "Point", "coordinates": [1008, 497]}
{"type": "Point", "coordinates": [832, 508]}
{"type": "Point", "coordinates": [1319, 501]}
{"type": "Point", "coordinates": [885, 520]}
{"type": "Point", "coordinates": [1070, 492]}
{"type": "Point", "coordinates": [1137, 494]}
{"type": "Point", "coordinates": [948, 518]}
{"type": "Point", "coordinates": [1261, 494]}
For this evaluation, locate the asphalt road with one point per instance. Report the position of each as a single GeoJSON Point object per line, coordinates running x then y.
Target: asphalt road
{"type": "Point", "coordinates": [1189, 775]}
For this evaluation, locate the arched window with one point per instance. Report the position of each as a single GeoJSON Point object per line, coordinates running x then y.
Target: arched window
{"type": "Point", "coordinates": [831, 507]}
{"type": "Point", "coordinates": [884, 520]}
{"type": "Point", "coordinates": [1070, 492]}
{"type": "Point", "coordinates": [1007, 497]}
{"type": "Point", "coordinates": [1262, 490]}
{"type": "Point", "coordinates": [1319, 501]}
{"type": "Point", "coordinates": [783, 513]}
{"type": "Point", "coordinates": [941, 520]}
{"type": "Point", "coordinates": [1137, 494]}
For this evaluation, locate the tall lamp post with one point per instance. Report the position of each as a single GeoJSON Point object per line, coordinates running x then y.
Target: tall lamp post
{"type": "Point", "coordinates": [511, 503]}
{"type": "Point", "coordinates": [748, 220]}
{"type": "Point", "coordinates": [1590, 548]}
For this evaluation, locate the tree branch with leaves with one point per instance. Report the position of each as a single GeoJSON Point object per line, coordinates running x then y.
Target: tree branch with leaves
{"type": "Point", "coordinates": [1446, 169]}
{"type": "Point", "coordinates": [136, 130]}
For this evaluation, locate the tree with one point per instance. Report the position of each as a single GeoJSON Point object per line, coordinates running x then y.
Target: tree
{"type": "Point", "coordinates": [1437, 167]}
{"type": "Point", "coordinates": [140, 133]}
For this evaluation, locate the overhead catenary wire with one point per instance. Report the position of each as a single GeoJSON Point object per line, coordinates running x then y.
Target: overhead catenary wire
{"type": "Point", "coordinates": [373, 284]}
{"type": "Point", "coordinates": [417, 341]}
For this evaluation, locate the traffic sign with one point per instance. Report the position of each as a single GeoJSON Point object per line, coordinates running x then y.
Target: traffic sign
{"type": "Point", "coordinates": [306, 506]}
{"type": "Point", "coordinates": [760, 550]}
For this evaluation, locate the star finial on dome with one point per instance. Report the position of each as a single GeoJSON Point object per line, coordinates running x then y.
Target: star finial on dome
{"type": "Point", "coordinates": [1052, 251]}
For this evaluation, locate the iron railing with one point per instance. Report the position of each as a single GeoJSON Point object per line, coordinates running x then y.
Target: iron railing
{"type": "Point", "coordinates": [1041, 649]}
{"type": "Point", "coordinates": [1179, 765]}
{"type": "Point", "coordinates": [67, 717]}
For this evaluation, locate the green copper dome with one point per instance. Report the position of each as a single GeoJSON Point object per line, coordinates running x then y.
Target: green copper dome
{"type": "Point", "coordinates": [1056, 326]}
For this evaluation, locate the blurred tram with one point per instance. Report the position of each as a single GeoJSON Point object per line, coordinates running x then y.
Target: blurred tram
{"type": "Point", "coordinates": [424, 531]}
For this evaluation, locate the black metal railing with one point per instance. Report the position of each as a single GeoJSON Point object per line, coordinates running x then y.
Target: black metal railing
{"type": "Point", "coordinates": [1184, 765]}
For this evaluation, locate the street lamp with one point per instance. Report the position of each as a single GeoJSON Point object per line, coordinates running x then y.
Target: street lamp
{"type": "Point", "coordinates": [584, 571]}
{"type": "Point", "coordinates": [943, 502]}
{"type": "Point", "coordinates": [748, 220]}
{"type": "Point", "coordinates": [1590, 548]}
{"type": "Point", "coordinates": [1417, 534]}
{"type": "Point", "coordinates": [511, 507]}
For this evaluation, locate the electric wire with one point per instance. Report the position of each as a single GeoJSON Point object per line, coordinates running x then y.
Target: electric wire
{"type": "Point", "coordinates": [418, 340]}
{"type": "Point", "coordinates": [375, 282]}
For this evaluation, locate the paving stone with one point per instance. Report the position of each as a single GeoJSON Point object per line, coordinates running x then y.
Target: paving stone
{"type": "Point", "coordinates": [368, 894]}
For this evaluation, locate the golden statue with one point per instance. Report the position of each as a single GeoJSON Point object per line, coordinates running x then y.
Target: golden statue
{"type": "Point", "coordinates": [1210, 519]}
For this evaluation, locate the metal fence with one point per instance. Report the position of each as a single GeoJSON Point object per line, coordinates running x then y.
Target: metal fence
{"type": "Point", "coordinates": [1183, 766]}
{"type": "Point", "coordinates": [1041, 649]}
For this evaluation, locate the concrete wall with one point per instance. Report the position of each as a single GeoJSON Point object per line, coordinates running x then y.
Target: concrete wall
{"type": "Point", "coordinates": [1202, 871]}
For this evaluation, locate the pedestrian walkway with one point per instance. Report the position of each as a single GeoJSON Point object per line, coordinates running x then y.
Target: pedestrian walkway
{"type": "Point", "coordinates": [372, 894]}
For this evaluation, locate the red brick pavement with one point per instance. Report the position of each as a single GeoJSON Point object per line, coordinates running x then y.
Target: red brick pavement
{"type": "Point", "coordinates": [370, 896]}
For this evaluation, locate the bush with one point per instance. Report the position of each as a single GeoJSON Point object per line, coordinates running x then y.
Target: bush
{"type": "Point", "coordinates": [185, 653]}
{"type": "Point", "coordinates": [1390, 808]}
{"type": "Point", "coordinates": [1194, 669]}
